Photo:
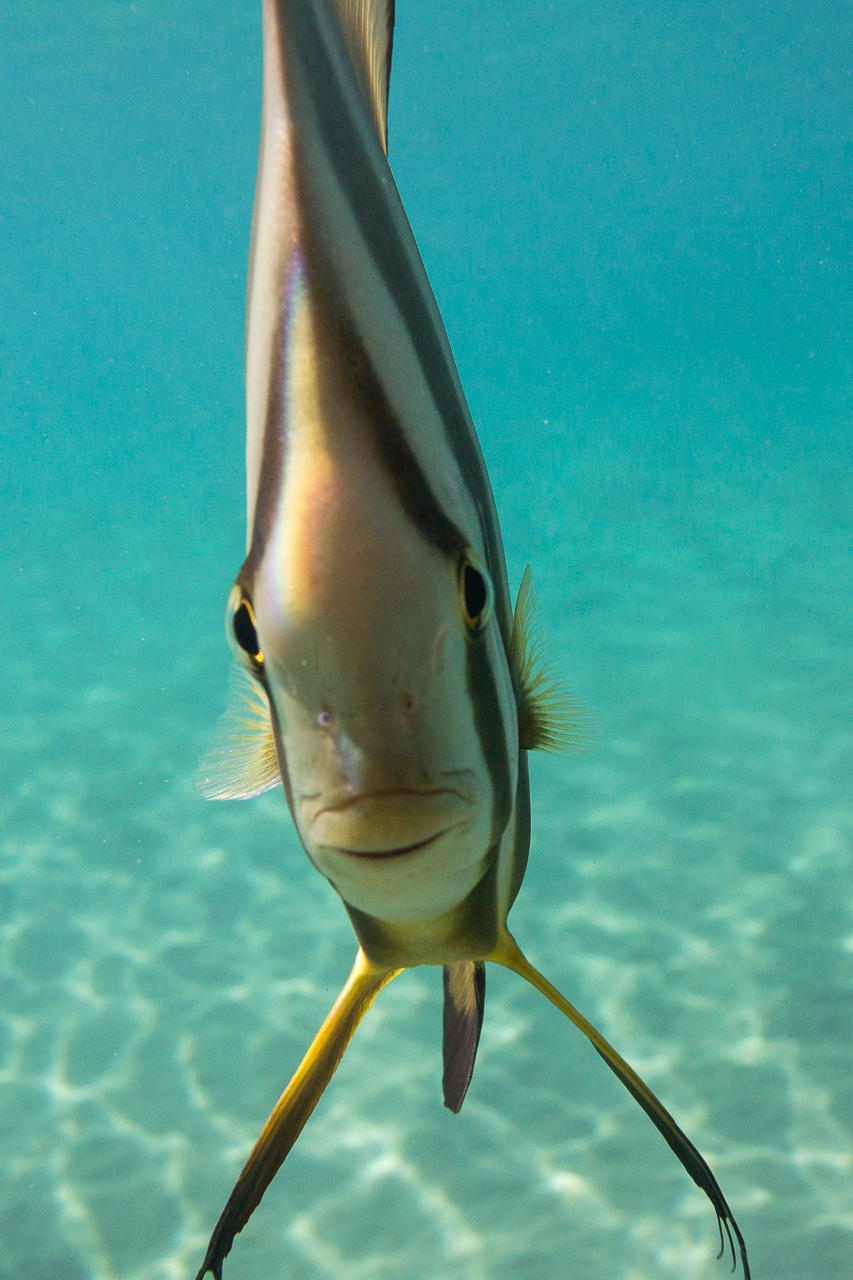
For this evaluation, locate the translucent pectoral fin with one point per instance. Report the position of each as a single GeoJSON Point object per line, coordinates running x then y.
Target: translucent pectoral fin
{"type": "Point", "coordinates": [550, 717]}
{"type": "Point", "coordinates": [464, 998]}
{"type": "Point", "coordinates": [294, 1107]}
{"type": "Point", "coordinates": [241, 760]}
{"type": "Point", "coordinates": [508, 954]}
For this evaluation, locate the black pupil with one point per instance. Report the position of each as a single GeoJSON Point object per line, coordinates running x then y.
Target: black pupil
{"type": "Point", "coordinates": [475, 592]}
{"type": "Point", "coordinates": [244, 630]}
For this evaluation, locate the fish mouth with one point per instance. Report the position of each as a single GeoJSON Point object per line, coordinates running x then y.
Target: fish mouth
{"type": "Point", "coordinates": [379, 854]}
{"type": "Point", "coordinates": [390, 824]}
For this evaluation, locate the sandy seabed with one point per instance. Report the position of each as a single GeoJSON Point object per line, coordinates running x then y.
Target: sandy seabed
{"type": "Point", "coordinates": [164, 962]}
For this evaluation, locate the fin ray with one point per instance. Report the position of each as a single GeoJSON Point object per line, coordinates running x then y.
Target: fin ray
{"type": "Point", "coordinates": [550, 717]}
{"type": "Point", "coordinates": [241, 760]}
{"type": "Point", "coordinates": [464, 1000]}
{"type": "Point", "coordinates": [509, 954]}
{"type": "Point", "coordinates": [294, 1108]}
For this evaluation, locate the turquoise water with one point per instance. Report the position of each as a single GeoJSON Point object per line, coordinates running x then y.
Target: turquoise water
{"type": "Point", "coordinates": [637, 222]}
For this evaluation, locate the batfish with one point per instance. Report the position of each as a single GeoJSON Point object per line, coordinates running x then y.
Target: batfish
{"type": "Point", "coordinates": [387, 682]}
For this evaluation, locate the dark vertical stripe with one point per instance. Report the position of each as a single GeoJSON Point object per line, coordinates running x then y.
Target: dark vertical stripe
{"type": "Point", "coordinates": [489, 725]}
{"type": "Point", "coordinates": [521, 840]}
{"type": "Point", "coordinates": [315, 55]}
{"type": "Point", "coordinates": [398, 460]}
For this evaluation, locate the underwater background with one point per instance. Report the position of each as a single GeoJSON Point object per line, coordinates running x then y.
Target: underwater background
{"type": "Point", "coordinates": [637, 221]}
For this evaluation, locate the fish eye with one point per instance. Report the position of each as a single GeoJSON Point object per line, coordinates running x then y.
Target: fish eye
{"type": "Point", "coordinates": [475, 588]}
{"type": "Point", "coordinates": [242, 629]}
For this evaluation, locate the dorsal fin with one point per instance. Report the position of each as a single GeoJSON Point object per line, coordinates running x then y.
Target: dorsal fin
{"type": "Point", "coordinates": [241, 760]}
{"type": "Point", "coordinates": [368, 28]}
{"type": "Point", "coordinates": [550, 717]}
{"type": "Point", "coordinates": [464, 1000]}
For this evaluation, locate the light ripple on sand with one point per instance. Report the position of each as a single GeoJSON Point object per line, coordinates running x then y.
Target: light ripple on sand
{"type": "Point", "coordinates": [163, 965]}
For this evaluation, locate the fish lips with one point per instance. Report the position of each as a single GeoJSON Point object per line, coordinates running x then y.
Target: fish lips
{"type": "Point", "coordinates": [402, 855]}
{"type": "Point", "coordinates": [386, 824]}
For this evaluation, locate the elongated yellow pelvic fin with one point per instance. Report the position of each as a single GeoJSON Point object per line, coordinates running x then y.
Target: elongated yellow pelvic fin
{"type": "Point", "coordinates": [368, 27]}
{"type": "Point", "coordinates": [464, 1000]}
{"type": "Point", "coordinates": [294, 1107]}
{"type": "Point", "coordinates": [550, 717]}
{"type": "Point", "coordinates": [508, 953]}
{"type": "Point", "coordinates": [241, 761]}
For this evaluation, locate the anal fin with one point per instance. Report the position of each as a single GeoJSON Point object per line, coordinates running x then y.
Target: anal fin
{"type": "Point", "coordinates": [464, 1000]}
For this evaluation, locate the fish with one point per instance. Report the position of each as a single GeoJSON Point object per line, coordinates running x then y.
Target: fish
{"type": "Point", "coordinates": [386, 681]}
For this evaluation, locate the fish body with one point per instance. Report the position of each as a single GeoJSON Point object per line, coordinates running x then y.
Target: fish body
{"type": "Point", "coordinates": [393, 710]}
{"type": "Point", "coordinates": [388, 684]}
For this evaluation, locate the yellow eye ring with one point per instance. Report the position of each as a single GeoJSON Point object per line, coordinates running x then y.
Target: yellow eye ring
{"type": "Point", "coordinates": [242, 630]}
{"type": "Point", "coordinates": [476, 593]}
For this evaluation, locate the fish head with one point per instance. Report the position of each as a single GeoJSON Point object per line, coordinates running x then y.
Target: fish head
{"type": "Point", "coordinates": [378, 652]}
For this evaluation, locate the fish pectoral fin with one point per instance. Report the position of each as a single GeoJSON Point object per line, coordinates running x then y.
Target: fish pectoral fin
{"type": "Point", "coordinates": [464, 999]}
{"type": "Point", "coordinates": [294, 1107]}
{"type": "Point", "coordinates": [550, 716]}
{"type": "Point", "coordinates": [508, 954]}
{"type": "Point", "coordinates": [241, 760]}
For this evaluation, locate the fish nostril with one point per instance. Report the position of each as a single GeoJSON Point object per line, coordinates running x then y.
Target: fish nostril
{"type": "Point", "coordinates": [408, 705]}
{"type": "Point", "coordinates": [325, 719]}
